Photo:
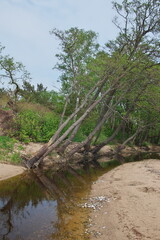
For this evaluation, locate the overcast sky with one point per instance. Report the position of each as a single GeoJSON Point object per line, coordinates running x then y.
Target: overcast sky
{"type": "Point", "coordinates": [25, 26]}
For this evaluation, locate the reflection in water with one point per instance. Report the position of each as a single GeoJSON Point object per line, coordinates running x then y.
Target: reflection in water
{"type": "Point", "coordinates": [47, 207]}
{"type": "Point", "coordinates": [31, 222]}
{"type": "Point", "coordinates": [26, 212]}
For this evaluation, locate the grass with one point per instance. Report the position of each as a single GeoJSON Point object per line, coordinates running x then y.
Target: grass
{"type": "Point", "coordinates": [7, 143]}
{"type": "Point", "coordinates": [15, 158]}
{"type": "Point", "coordinates": [7, 152]}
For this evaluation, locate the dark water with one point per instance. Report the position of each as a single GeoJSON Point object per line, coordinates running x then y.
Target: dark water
{"type": "Point", "coordinates": [48, 208]}
{"type": "Point", "coordinates": [25, 210]}
{"type": "Point", "coordinates": [30, 211]}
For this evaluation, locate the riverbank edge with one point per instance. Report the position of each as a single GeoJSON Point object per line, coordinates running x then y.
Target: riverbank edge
{"type": "Point", "coordinates": [8, 171]}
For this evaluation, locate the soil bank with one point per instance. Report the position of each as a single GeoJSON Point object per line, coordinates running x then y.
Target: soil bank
{"type": "Point", "coordinates": [8, 171]}
{"type": "Point", "coordinates": [132, 208]}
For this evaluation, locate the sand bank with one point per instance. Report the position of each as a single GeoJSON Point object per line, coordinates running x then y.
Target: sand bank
{"type": "Point", "coordinates": [8, 171]}
{"type": "Point", "coordinates": [131, 209]}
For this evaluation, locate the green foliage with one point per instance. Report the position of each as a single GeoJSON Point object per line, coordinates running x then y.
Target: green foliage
{"type": "Point", "coordinates": [40, 95]}
{"type": "Point", "coordinates": [80, 136]}
{"type": "Point", "coordinates": [7, 150]}
{"type": "Point", "coordinates": [127, 70]}
{"type": "Point", "coordinates": [77, 48]}
{"type": "Point", "coordinates": [15, 158]}
{"type": "Point", "coordinates": [11, 73]}
{"type": "Point", "coordinates": [31, 125]}
{"type": "Point", "coordinates": [7, 143]}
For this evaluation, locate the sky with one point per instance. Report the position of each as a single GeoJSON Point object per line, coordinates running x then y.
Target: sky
{"type": "Point", "coordinates": [25, 27]}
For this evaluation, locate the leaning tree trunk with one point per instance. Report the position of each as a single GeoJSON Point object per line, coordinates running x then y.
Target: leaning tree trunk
{"type": "Point", "coordinates": [53, 143]}
{"type": "Point", "coordinates": [109, 139]}
{"type": "Point", "coordinates": [90, 104]}
{"type": "Point", "coordinates": [107, 114]}
{"type": "Point", "coordinates": [62, 148]}
{"type": "Point", "coordinates": [87, 97]}
{"type": "Point", "coordinates": [105, 117]}
{"type": "Point", "coordinates": [69, 140]}
{"type": "Point", "coordinates": [120, 147]}
{"type": "Point", "coordinates": [56, 140]}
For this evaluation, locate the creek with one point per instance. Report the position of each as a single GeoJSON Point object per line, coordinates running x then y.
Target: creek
{"type": "Point", "coordinates": [50, 206]}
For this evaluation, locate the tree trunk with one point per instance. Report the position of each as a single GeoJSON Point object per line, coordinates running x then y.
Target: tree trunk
{"type": "Point", "coordinates": [106, 116]}
{"type": "Point", "coordinates": [44, 151]}
{"type": "Point", "coordinates": [92, 103]}
{"type": "Point", "coordinates": [55, 136]}
{"type": "Point", "coordinates": [108, 140]}
{"type": "Point", "coordinates": [62, 148]}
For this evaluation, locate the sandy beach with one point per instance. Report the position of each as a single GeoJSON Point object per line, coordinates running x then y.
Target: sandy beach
{"type": "Point", "coordinates": [8, 171]}
{"type": "Point", "coordinates": [131, 209]}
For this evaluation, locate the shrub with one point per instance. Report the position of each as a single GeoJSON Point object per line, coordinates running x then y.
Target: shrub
{"type": "Point", "coordinates": [31, 125]}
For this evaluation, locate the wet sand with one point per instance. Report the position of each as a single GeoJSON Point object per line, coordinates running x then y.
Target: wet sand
{"type": "Point", "coordinates": [8, 171]}
{"type": "Point", "coordinates": [132, 206]}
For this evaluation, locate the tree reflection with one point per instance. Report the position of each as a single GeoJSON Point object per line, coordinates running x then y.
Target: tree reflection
{"type": "Point", "coordinates": [21, 196]}
{"type": "Point", "coordinates": [15, 195]}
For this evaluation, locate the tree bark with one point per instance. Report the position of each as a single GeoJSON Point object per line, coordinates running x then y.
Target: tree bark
{"type": "Point", "coordinates": [44, 151]}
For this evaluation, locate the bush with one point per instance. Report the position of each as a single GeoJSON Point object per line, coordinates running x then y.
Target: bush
{"type": "Point", "coordinates": [31, 125]}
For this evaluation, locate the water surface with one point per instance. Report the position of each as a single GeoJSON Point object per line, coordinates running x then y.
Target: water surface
{"type": "Point", "coordinates": [49, 207]}
{"type": "Point", "coordinates": [30, 211]}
